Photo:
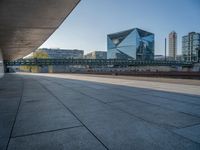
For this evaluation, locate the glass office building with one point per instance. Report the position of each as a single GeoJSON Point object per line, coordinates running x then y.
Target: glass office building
{"type": "Point", "coordinates": [131, 44]}
{"type": "Point", "coordinates": [190, 46]}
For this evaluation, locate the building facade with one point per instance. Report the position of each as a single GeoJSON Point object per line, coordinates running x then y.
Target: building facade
{"type": "Point", "coordinates": [159, 57]}
{"type": "Point", "coordinates": [162, 58]}
{"type": "Point", "coordinates": [96, 55]}
{"type": "Point", "coordinates": [173, 45]}
{"type": "Point", "coordinates": [191, 46]}
{"type": "Point", "coordinates": [131, 44]}
{"type": "Point", "coordinates": [62, 53]}
{"type": "Point", "coordinates": [179, 58]}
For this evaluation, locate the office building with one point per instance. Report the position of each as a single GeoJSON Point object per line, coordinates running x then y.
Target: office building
{"type": "Point", "coordinates": [62, 53]}
{"type": "Point", "coordinates": [191, 46]}
{"type": "Point", "coordinates": [96, 55]}
{"type": "Point", "coordinates": [131, 44]}
{"type": "Point", "coordinates": [173, 45]}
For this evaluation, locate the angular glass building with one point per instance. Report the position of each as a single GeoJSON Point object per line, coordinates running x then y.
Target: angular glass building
{"type": "Point", "coordinates": [131, 44]}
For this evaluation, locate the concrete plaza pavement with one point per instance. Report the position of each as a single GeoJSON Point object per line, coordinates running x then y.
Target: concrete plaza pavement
{"type": "Point", "coordinates": [68, 111]}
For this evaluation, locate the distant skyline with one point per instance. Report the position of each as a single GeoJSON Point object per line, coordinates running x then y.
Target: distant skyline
{"type": "Point", "coordinates": [88, 25]}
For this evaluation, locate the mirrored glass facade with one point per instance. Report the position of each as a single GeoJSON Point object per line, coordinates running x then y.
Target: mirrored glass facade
{"type": "Point", "coordinates": [131, 44]}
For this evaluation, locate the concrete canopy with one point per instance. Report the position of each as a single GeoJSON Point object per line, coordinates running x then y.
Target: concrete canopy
{"type": "Point", "coordinates": [27, 24]}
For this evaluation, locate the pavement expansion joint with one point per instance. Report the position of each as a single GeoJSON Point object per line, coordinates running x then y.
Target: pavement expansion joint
{"type": "Point", "coordinates": [74, 115]}
{"type": "Point", "coordinates": [85, 114]}
{"type": "Point", "coordinates": [191, 125]}
{"type": "Point", "coordinates": [22, 91]}
{"type": "Point", "coordinates": [37, 133]}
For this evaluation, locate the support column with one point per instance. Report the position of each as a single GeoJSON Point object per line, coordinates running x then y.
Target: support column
{"type": "Point", "coordinates": [1, 65]}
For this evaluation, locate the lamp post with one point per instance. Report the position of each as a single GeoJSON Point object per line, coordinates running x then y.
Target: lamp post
{"type": "Point", "coordinates": [165, 49]}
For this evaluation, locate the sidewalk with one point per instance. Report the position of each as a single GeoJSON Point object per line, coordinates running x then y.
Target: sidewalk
{"type": "Point", "coordinates": [44, 113]}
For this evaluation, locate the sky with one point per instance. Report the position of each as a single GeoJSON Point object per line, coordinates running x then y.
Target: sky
{"type": "Point", "coordinates": [86, 28]}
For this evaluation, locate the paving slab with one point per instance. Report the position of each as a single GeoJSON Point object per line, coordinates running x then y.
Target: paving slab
{"type": "Point", "coordinates": [192, 132]}
{"type": "Point", "coordinates": [10, 95]}
{"type": "Point", "coordinates": [3, 143]}
{"type": "Point", "coordinates": [156, 114]}
{"type": "Point", "coordinates": [34, 122]}
{"type": "Point", "coordinates": [80, 113]}
{"type": "Point", "coordinates": [193, 99]}
{"type": "Point", "coordinates": [73, 139]}
{"type": "Point", "coordinates": [118, 130]}
{"type": "Point", "coordinates": [104, 96]}
{"type": "Point", "coordinates": [84, 104]}
{"type": "Point", "coordinates": [9, 106]}
{"type": "Point", "coordinates": [149, 112]}
{"type": "Point", "coordinates": [38, 105]}
{"type": "Point", "coordinates": [78, 102]}
{"type": "Point", "coordinates": [191, 109]}
{"type": "Point", "coordinates": [6, 123]}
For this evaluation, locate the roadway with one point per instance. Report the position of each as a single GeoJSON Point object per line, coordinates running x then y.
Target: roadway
{"type": "Point", "coordinates": [67, 111]}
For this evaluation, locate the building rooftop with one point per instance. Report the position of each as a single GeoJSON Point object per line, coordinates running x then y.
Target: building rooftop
{"type": "Point", "coordinates": [126, 32]}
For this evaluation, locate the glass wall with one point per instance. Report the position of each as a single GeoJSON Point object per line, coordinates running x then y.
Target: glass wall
{"type": "Point", "coordinates": [190, 46]}
{"type": "Point", "coordinates": [131, 44]}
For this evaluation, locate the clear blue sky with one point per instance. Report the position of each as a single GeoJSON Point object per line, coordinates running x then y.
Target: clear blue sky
{"type": "Point", "coordinates": [88, 25]}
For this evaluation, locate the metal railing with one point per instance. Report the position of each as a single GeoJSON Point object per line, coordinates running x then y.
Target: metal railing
{"type": "Point", "coordinates": [94, 62]}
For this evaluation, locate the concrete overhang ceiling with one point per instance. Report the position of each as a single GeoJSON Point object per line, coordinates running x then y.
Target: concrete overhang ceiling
{"type": "Point", "coordinates": [27, 24]}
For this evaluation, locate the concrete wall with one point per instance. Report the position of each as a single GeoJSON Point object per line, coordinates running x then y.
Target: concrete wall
{"type": "Point", "coordinates": [65, 69]}
{"type": "Point", "coordinates": [57, 69]}
{"type": "Point", "coordinates": [136, 69]}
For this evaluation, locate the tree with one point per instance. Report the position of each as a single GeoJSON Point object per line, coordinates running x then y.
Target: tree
{"type": "Point", "coordinates": [40, 55]}
{"type": "Point", "coordinates": [37, 54]}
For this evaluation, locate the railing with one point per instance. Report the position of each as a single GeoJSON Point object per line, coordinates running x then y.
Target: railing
{"type": "Point", "coordinates": [94, 62]}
